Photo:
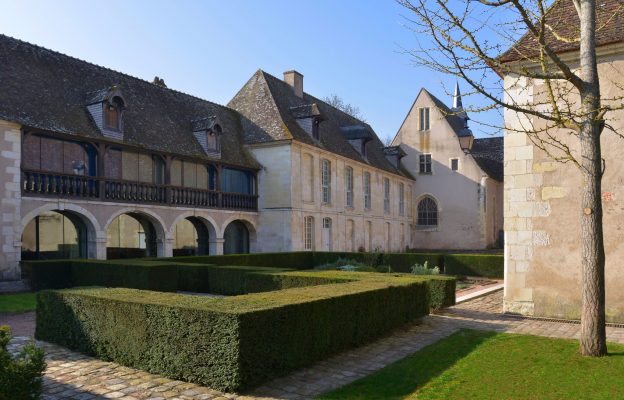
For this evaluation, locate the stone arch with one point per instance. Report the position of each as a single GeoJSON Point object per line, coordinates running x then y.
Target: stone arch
{"type": "Point", "coordinates": [156, 234]}
{"type": "Point", "coordinates": [251, 231]}
{"type": "Point", "coordinates": [86, 225]}
{"type": "Point", "coordinates": [206, 229]}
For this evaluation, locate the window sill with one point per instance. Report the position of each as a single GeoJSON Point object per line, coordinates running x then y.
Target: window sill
{"type": "Point", "coordinates": [427, 228]}
{"type": "Point", "coordinates": [425, 173]}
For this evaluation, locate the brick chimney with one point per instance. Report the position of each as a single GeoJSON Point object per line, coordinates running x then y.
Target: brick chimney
{"type": "Point", "coordinates": [294, 79]}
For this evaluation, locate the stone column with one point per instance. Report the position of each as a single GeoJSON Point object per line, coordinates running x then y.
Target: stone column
{"type": "Point", "coordinates": [97, 247]}
{"type": "Point", "coordinates": [10, 203]}
{"type": "Point", "coordinates": [165, 247]}
{"type": "Point", "coordinates": [216, 246]}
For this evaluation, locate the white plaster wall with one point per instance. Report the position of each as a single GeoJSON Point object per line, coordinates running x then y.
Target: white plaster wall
{"type": "Point", "coordinates": [462, 224]}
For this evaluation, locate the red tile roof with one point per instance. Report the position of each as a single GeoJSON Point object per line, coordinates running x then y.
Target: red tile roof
{"type": "Point", "coordinates": [564, 21]}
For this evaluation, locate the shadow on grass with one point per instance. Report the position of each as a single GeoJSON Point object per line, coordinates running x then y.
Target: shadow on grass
{"type": "Point", "coordinates": [402, 378]}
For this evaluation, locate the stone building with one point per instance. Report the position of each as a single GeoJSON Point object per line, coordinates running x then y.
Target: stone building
{"type": "Point", "coordinates": [459, 191]}
{"type": "Point", "coordinates": [542, 197]}
{"type": "Point", "coordinates": [98, 164]}
{"type": "Point", "coordinates": [327, 182]}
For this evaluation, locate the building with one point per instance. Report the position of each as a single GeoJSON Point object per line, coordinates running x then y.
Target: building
{"type": "Point", "coordinates": [459, 193]}
{"type": "Point", "coordinates": [98, 164]}
{"type": "Point", "coordinates": [542, 197]}
{"type": "Point", "coordinates": [327, 182]}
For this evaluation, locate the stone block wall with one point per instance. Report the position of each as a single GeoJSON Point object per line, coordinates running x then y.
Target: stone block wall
{"type": "Point", "coordinates": [10, 199]}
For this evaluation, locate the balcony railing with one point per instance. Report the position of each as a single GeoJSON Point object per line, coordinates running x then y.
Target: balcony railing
{"type": "Point", "coordinates": [50, 184]}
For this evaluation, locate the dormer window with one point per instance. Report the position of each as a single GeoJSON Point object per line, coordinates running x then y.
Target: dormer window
{"type": "Point", "coordinates": [112, 114]}
{"type": "Point", "coordinates": [308, 118]}
{"type": "Point", "coordinates": [208, 133]}
{"type": "Point", "coordinates": [107, 110]}
{"type": "Point", "coordinates": [358, 136]}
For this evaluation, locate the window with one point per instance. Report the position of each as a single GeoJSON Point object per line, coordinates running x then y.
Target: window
{"type": "Point", "coordinates": [308, 229]}
{"type": "Point", "coordinates": [326, 181]}
{"type": "Point", "coordinates": [424, 119]}
{"type": "Point", "coordinates": [237, 181]}
{"type": "Point", "coordinates": [455, 164]}
{"type": "Point", "coordinates": [424, 163]}
{"type": "Point", "coordinates": [427, 213]}
{"type": "Point", "coordinates": [349, 186]}
{"type": "Point", "coordinates": [367, 190]}
{"type": "Point", "coordinates": [401, 199]}
{"type": "Point", "coordinates": [327, 234]}
{"type": "Point", "coordinates": [112, 114]}
{"type": "Point", "coordinates": [386, 187]}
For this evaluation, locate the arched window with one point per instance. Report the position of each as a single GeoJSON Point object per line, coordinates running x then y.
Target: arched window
{"type": "Point", "coordinates": [327, 234]}
{"type": "Point", "coordinates": [427, 213]}
{"type": "Point", "coordinates": [112, 114]}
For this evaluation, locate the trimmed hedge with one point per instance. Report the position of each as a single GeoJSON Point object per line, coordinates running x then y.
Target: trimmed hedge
{"type": "Point", "coordinates": [485, 265]}
{"type": "Point", "coordinates": [236, 342]}
{"type": "Point", "coordinates": [138, 274]}
{"type": "Point", "coordinates": [400, 262]}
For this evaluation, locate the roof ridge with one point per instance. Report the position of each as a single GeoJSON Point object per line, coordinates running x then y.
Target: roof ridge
{"type": "Point", "coordinates": [36, 46]}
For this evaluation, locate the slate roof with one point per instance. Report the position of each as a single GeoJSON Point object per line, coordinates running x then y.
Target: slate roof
{"type": "Point", "coordinates": [267, 103]}
{"type": "Point", "coordinates": [48, 90]}
{"type": "Point", "coordinates": [564, 20]}
{"type": "Point", "coordinates": [488, 153]}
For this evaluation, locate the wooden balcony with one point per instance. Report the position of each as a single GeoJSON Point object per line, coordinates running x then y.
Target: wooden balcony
{"type": "Point", "coordinates": [50, 184]}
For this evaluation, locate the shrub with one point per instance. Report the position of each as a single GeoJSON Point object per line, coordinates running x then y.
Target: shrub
{"type": "Point", "coordinates": [20, 377]}
{"type": "Point", "coordinates": [424, 269]}
{"type": "Point", "coordinates": [485, 265]}
{"type": "Point", "coordinates": [52, 274]}
{"type": "Point", "coordinates": [236, 342]}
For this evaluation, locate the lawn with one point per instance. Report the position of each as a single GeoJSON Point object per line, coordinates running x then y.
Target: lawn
{"type": "Point", "coordinates": [18, 302]}
{"type": "Point", "coordinates": [485, 365]}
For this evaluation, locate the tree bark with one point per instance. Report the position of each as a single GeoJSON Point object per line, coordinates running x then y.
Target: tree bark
{"type": "Point", "coordinates": [593, 334]}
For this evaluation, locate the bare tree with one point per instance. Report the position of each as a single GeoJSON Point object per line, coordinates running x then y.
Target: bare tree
{"type": "Point", "coordinates": [336, 101]}
{"type": "Point", "coordinates": [566, 111]}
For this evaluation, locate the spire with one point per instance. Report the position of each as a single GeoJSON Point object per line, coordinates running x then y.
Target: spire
{"type": "Point", "coordinates": [457, 101]}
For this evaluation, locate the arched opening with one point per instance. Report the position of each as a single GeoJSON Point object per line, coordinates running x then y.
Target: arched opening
{"type": "Point", "coordinates": [55, 235]}
{"type": "Point", "coordinates": [427, 213]}
{"type": "Point", "coordinates": [131, 235]}
{"type": "Point", "coordinates": [191, 237]}
{"type": "Point", "coordinates": [236, 238]}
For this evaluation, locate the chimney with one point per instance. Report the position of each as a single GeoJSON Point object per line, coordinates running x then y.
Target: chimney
{"type": "Point", "coordinates": [294, 79]}
{"type": "Point", "coordinates": [159, 82]}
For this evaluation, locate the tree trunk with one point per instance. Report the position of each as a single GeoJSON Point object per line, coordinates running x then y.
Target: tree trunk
{"type": "Point", "coordinates": [593, 335]}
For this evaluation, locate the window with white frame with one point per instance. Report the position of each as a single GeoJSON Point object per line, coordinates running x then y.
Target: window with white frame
{"type": "Point", "coordinates": [386, 189]}
{"type": "Point", "coordinates": [427, 213]}
{"type": "Point", "coordinates": [308, 230]}
{"type": "Point", "coordinates": [423, 120]}
{"type": "Point", "coordinates": [454, 164]}
{"type": "Point", "coordinates": [401, 199]}
{"type": "Point", "coordinates": [367, 190]}
{"type": "Point", "coordinates": [424, 163]}
{"type": "Point", "coordinates": [326, 181]}
{"type": "Point", "coordinates": [349, 186]}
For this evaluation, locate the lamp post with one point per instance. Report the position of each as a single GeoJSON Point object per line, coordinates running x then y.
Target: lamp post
{"type": "Point", "coordinates": [465, 142]}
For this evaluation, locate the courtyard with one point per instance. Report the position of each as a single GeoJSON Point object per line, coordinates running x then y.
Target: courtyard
{"type": "Point", "coordinates": [71, 375]}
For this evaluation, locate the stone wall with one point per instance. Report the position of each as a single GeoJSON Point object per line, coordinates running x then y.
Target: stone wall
{"type": "Point", "coordinates": [543, 211]}
{"type": "Point", "coordinates": [10, 158]}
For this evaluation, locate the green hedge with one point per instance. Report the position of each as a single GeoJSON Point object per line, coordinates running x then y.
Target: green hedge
{"type": "Point", "coordinates": [485, 265]}
{"type": "Point", "coordinates": [400, 262]}
{"type": "Point", "coordinates": [138, 274]}
{"type": "Point", "coordinates": [236, 342]}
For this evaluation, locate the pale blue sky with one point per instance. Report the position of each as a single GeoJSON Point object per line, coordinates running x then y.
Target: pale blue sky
{"type": "Point", "coordinates": [210, 48]}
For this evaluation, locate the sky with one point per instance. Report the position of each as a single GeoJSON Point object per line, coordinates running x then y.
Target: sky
{"type": "Point", "coordinates": [355, 49]}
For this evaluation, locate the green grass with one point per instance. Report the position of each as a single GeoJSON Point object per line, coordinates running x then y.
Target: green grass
{"type": "Point", "coordinates": [19, 302]}
{"type": "Point", "coordinates": [485, 365]}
